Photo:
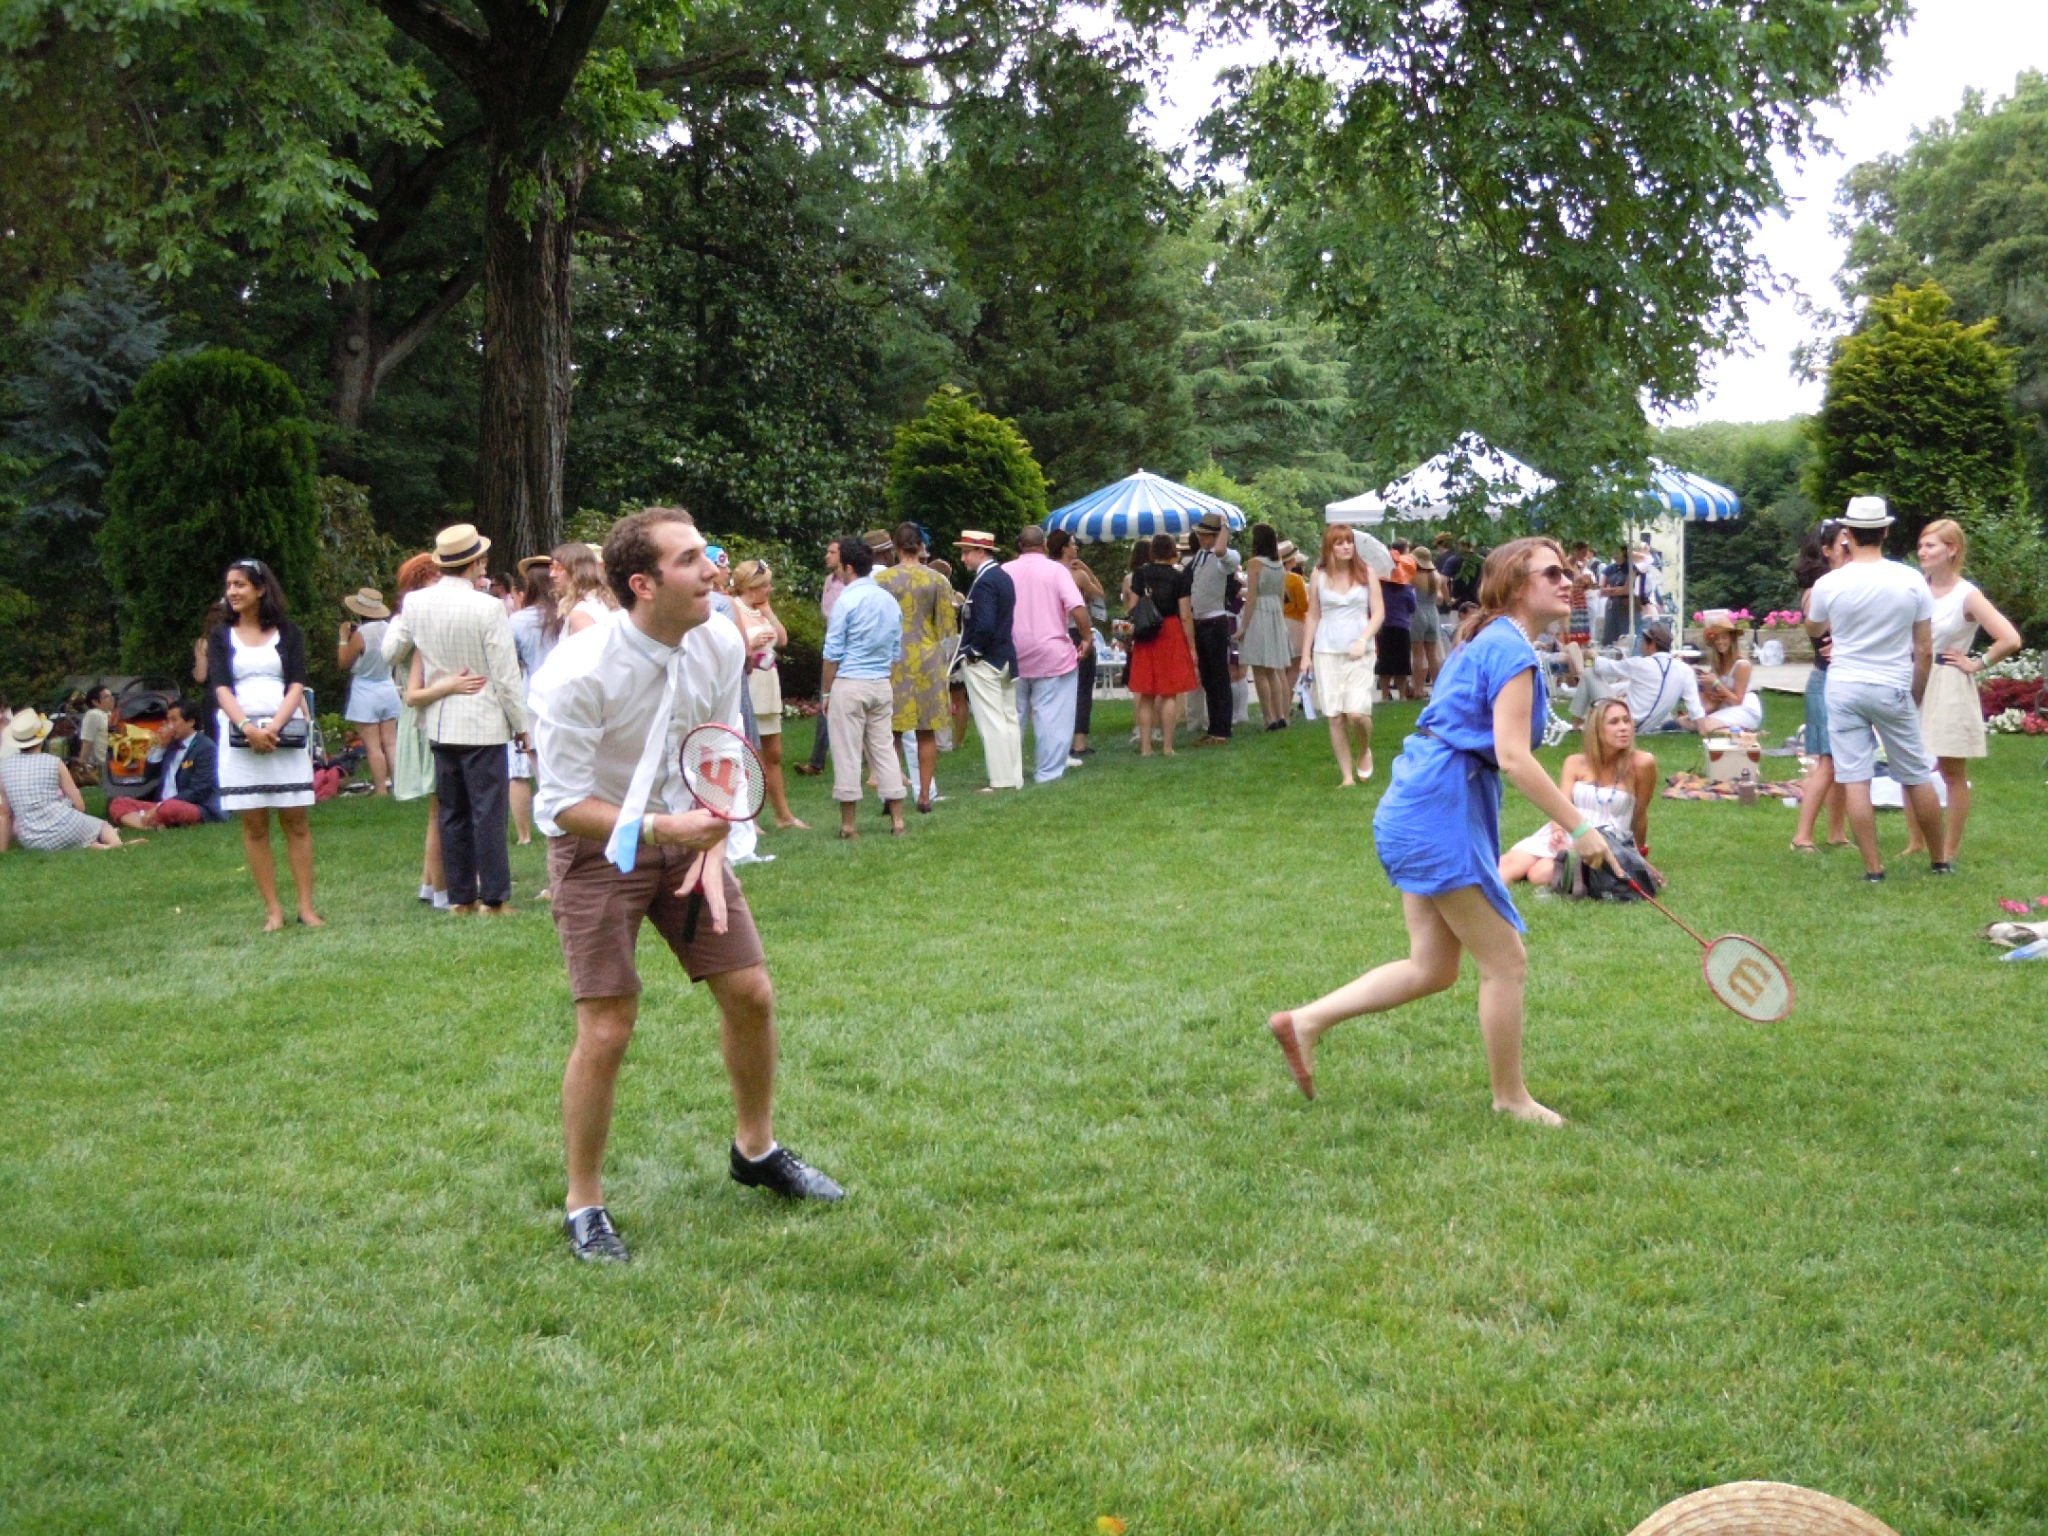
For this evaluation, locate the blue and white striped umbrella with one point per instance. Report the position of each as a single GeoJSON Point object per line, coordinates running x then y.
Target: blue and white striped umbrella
{"type": "Point", "coordinates": [1692, 497]}
{"type": "Point", "coordinates": [1136, 507]}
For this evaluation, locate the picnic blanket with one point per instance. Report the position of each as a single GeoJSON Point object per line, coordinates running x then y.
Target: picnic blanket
{"type": "Point", "coordinates": [1694, 786]}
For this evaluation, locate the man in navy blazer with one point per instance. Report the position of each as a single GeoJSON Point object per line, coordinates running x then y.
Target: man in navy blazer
{"type": "Point", "coordinates": [184, 784]}
{"type": "Point", "coordinates": [988, 659]}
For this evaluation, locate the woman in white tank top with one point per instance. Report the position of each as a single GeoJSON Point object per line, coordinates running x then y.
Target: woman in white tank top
{"type": "Point", "coordinates": [1610, 782]}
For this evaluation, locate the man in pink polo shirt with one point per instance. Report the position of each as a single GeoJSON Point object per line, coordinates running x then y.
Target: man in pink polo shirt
{"type": "Point", "coordinates": [1048, 602]}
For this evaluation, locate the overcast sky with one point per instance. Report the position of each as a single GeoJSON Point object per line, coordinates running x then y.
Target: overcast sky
{"type": "Point", "coordinates": [1950, 47]}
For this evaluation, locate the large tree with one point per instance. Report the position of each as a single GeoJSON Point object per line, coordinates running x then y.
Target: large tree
{"type": "Point", "coordinates": [1531, 218]}
{"type": "Point", "coordinates": [1966, 204]}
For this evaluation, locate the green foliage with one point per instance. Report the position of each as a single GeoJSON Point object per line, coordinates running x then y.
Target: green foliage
{"type": "Point", "coordinates": [1053, 211]}
{"type": "Point", "coordinates": [1746, 563]}
{"type": "Point", "coordinates": [1966, 204]}
{"type": "Point", "coordinates": [212, 463]}
{"type": "Point", "coordinates": [353, 552]}
{"type": "Point", "coordinates": [956, 467]}
{"type": "Point", "coordinates": [1526, 219]}
{"type": "Point", "coordinates": [2009, 559]}
{"type": "Point", "coordinates": [1918, 410]}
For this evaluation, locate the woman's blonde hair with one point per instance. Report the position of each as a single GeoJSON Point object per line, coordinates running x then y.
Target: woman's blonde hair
{"type": "Point", "coordinates": [1733, 653]}
{"type": "Point", "coordinates": [1593, 738]}
{"type": "Point", "coordinates": [1950, 532]}
{"type": "Point", "coordinates": [586, 575]}
{"type": "Point", "coordinates": [1502, 580]}
{"type": "Point", "coordinates": [749, 573]}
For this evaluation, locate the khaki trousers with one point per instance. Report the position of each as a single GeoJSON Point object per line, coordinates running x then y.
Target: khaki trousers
{"type": "Point", "coordinates": [859, 719]}
{"type": "Point", "coordinates": [993, 698]}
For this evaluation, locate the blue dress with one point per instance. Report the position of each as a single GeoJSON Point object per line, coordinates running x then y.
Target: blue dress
{"type": "Point", "coordinates": [1438, 825]}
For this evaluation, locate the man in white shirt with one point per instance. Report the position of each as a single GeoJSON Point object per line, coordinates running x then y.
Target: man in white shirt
{"type": "Point", "coordinates": [1655, 686]}
{"type": "Point", "coordinates": [596, 702]}
{"type": "Point", "coordinates": [457, 628]}
{"type": "Point", "coordinates": [1880, 616]}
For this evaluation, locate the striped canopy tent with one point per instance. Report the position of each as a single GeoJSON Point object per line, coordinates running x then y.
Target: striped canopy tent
{"type": "Point", "coordinates": [1471, 468]}
{"type": "Point", "coordinates": [1136, 507]}
{"type": "Point", "coordinates": [1683, 494]}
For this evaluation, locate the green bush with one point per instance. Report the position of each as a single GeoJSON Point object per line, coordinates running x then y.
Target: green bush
{"type": "Point", "coordinates": [212, 463]}
{"type": "Point", "coordinates": [958, 467]}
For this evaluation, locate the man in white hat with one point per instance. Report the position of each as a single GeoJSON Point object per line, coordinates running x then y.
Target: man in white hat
{"type": "Point", "coordinates": [611, 707]}
{"type": "Point", "coordinates": [1880, 615]}
{"type": "Point", "coordinates": [457, 629]}
{"type": "Point", "coordinates": [988, 659]}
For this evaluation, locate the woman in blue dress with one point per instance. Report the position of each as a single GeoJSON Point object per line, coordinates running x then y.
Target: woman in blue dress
{"type": "Point", "coordinates": [1438, 827]}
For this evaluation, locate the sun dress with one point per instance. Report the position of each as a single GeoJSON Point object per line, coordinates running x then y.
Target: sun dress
{"type": "Point", "coordinates": [764, 678]}
{"type": "Point", "coordinates": [1438, 825]}
{"type": "Point", "coordinates": [43, 819]}
{"type": "Point", "coordinates": [1161, 668]}
{"type": "Point", "coordinates": [1263, 642]}
{"type": "Point", "coordinates": [1604, 805]}
{"type": "Point", "coordinates": [252, 780]}
{"type": "Point", "coordinates": [1343, 684]}
{"type": "Point", "coordinates": [1951, 718]}
{"type": "Point", "coordinates": [919, 679]}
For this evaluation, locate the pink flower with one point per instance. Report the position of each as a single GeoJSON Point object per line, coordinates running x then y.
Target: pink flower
{"type": "Point", "coordinates": [2013, 906]}
{"type": "Point", "coordinates": [2041, 901]}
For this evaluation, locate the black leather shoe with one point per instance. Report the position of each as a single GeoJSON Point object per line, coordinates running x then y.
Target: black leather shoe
{"type": "Point", "coordinates": [594, 1239]}
{"type": "Point", "coordinates": [1937, 867]}
{"type": "Point", "coordinates": [787, 1174]}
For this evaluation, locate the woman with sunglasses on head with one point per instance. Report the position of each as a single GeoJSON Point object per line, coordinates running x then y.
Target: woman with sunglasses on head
{"type": "Point", "coordinates": [256, 662]}
{"type": "Point", "coordinates": [1609, 779]}
{"type": "Point", "coordinates": [1438, 826]}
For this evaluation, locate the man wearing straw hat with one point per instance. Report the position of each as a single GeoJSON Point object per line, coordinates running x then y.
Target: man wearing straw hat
{"type": "Point", "coordinates": [456, 629]}
{"type": "Point", "coordinates": [988, 659]}
{"type": "Point", "coordinates": [1880, 617]}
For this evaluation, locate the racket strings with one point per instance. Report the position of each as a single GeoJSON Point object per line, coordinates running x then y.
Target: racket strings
{"type": "Point", "coordinates": [724, 775]}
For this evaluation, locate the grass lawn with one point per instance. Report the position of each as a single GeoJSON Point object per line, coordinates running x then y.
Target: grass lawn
{"type": "Point", "coordinates": [284, 1254]}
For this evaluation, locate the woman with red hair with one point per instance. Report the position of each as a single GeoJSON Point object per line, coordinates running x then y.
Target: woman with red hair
{"type": "Point", "coordinates": [1345, 611]}
{"type": "Point", "coordinates": [1438, 827]}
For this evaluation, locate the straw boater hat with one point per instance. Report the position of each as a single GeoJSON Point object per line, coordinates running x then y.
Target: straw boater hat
{"type": "Point", "coordinates": [974, 538]}
{"type": "Point", "coordinates": [1719, 618]}
{"type": "Point", "coordinates": [459, 546]}
{"type": "Point", "coordinates": [25, 730]}
{"type": "Point", "coordinates": [1761, 1509]}
{"type": "Point", "coordinates": [1287, 549]}
{"type": "Point", "coordinates": [1213, 522]}
{"type": "Point", "coordinates": [1867, 512]}
{"type": "Point", "coordinates": [366, 603]}
{"type": "Point", "coordinates": [533, 560]}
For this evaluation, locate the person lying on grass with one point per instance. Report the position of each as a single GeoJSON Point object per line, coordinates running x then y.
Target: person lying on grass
{"type": "Point", "coordinates": [1438, 827]}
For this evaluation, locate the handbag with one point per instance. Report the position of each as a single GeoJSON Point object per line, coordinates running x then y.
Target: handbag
{"type": "Point", "coordinates": [1146, 619]}
{"type": "Point", "coordinates": [293, 733]}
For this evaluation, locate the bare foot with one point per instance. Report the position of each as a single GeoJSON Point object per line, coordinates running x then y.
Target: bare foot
{"type": "Point", "coordinates": [274, 922]}
{"type": "Point", "coordinates": [897, 829]}
{"type": "Point", "coordinates": [1299, 1053]}
{"type": "Point", "coordinates": [848, 835]}
{"type": "Point", "coordinates": [312, 920]}
{"type": "Point", "coordinates": [1528, 1109]}
{"type": "Point", "coordinates": [793, 825]}
{"type": "Point", "coordinates": [1346, 783]}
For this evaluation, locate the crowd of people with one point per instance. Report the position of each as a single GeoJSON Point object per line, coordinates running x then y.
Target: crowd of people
{"type": "Point", "coordinates": [561, 702]}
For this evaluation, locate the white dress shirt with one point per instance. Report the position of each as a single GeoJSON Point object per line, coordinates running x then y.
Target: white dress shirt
{"type": "Point", "coordinates": [455, 628]}
{"type": "Point", "coordinates": [1654, 687]}
{"type": "Point", "coordinates": [595, 698]}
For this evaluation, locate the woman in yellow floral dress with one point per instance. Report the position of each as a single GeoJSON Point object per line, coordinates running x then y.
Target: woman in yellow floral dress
{"type": "Point", "coordinates": [919, 678]}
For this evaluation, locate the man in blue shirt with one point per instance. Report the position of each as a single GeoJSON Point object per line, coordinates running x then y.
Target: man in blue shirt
{"type": "Point", "coordinates": [863, 643]}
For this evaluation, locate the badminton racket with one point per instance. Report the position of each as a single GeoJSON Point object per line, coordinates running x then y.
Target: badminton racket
{"type": "Point", "coordinates": [1743, 976]}
{"type": "Point", "coordinates": [723, 774]}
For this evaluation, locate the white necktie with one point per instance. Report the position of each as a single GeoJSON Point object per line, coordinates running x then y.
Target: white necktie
{"type": "Point", "coordinates": [624, 845]}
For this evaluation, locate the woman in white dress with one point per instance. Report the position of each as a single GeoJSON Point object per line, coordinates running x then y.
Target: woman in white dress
{"type": "Point", "coordinates": [1951, 719]}
{"type": "Point", "coordinates": [372, 696]}
{"type": "Point", "coordinates": [581, 591]}
{"type": "Point", "coordinates": [1609, 781]}
{"type": "Point", "coordinates": [753, 586]}
{"type": "Point", "coordinates": [257, 666]}
{"type": "Point", "coordinates": [1345, 611]}
{"type": "Point", "coordinates": [1733, 704]}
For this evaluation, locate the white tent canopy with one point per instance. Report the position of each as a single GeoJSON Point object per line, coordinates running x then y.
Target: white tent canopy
{"type": "Point", "coordinates": [1471, 468]}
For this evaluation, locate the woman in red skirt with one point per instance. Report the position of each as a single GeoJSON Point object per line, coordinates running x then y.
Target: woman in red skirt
{"type": "Point", "coordinates": [1162, 666]}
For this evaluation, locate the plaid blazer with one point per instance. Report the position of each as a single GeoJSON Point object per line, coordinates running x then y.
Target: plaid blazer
{"type": "Point", "coordinates": [455, 627]}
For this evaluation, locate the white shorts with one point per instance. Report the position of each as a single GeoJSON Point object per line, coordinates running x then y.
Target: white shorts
{"type": "Point", "coordinates": [1859, 714]}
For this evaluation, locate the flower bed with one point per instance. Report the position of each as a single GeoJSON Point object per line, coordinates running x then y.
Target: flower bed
{"type": "Point", "coordinates": [2014, 696]}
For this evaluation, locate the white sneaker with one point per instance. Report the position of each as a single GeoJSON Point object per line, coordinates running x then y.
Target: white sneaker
{"type": "Point", "coordinates": [1074, 762]}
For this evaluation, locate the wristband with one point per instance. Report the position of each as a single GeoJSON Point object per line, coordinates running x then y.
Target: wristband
{"type": "Point", "coordinates": [1581, 831]}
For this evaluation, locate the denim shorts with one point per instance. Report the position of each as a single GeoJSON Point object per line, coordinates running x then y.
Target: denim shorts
{"type": "Point", "coordinates": [1817, 714]}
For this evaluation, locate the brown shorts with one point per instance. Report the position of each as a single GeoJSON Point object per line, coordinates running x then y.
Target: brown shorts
{"type": "Point", "coordinates": [598, 911]}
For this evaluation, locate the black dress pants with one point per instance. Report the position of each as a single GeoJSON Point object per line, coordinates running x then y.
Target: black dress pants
{"type": "Point", "coordinates": [471, 783]}
{"type": "Point", "coordinates": [1212, 662]}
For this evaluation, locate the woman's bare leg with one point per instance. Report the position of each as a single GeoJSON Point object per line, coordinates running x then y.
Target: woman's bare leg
{"type": "Point", "coordinates": [1956, 772]}
{"type": "Point", "coordinates": [1503, 968]}
{"type": "Point", "coordinates": [778, 786]}
{"type": "Point", "coordinates": [1340, 743]}
{"type": "Point", "coordinates": [1361, 726]}
{"type": "Point", "coordinates": [1817, 789]}
{"type": "Point", "coordinates": [262, 867]}
{"type": "Point", "coordinates": [520, 793]}
{"type": "Point", "coordinates": [1169, 720]}
{"type": "Point", "coordinates": [375, 753]}
{"type": "Point", "coordinates": [1147, 712]}
{"type": "Point", "coordinates": [298, 849]}
{"type": "Point", "coordinates": [430, 869]}
{"type": "Point", "coordinates": [1535, 868]}
{"type": "Point", "coordinates": [927, 766]}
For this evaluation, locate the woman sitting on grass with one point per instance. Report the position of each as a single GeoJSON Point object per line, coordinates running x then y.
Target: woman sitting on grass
{"type": "Point", "coordinates": [1726, 681]}
{"type": "Point", "coordinates": [40, 806]}
{"type": "Point", "coordinates": [1609, 781]}
{"type": "Point", "coordinates": [1438, 827]}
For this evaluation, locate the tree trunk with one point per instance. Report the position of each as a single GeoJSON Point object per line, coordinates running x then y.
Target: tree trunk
{"type": "Point", "coordinates": [527, 303]}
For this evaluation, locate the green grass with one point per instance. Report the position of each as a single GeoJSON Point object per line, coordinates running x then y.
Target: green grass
{"type": "Point", "coordinates": [282, 1250]}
